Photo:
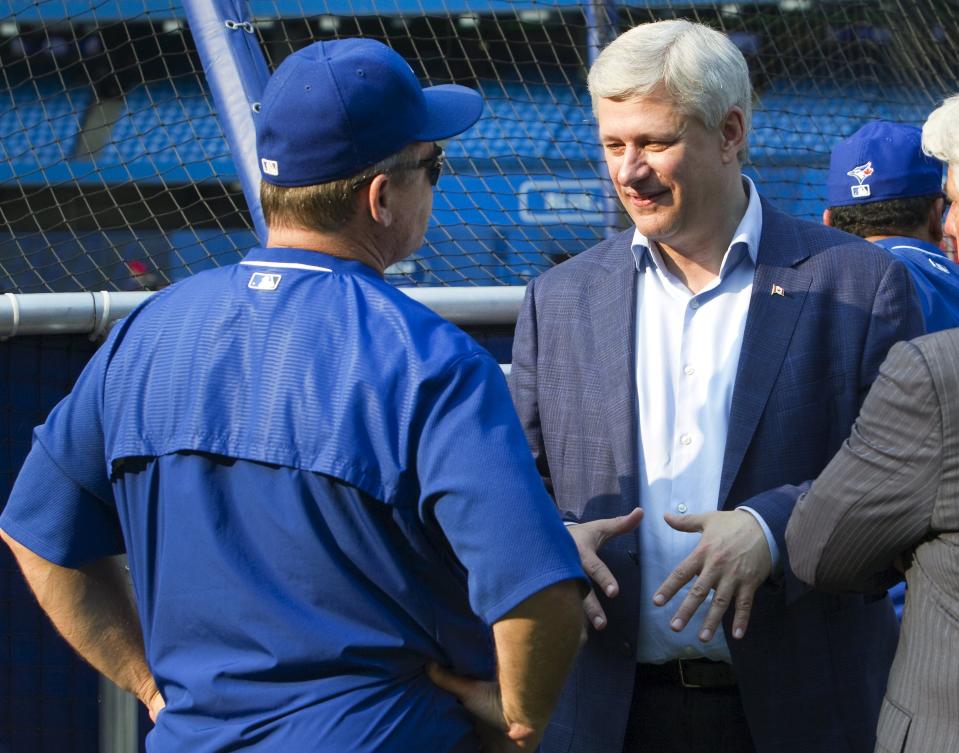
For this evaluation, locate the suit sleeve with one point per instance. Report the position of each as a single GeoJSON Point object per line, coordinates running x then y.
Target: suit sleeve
{"type": "Point", "coordinates": [895, 316]}
{"type": "Point", "coordinates": [522, 383]}
{"type": "Point", "coordinates": [875, 499]}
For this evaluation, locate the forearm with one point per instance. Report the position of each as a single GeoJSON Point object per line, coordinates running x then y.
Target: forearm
{"type": "Point", "coordinates": [875, 499]}
{"type": "Point", "coordinates": [94, 611]}
{"type": "Point", "coordinates": [536, 644]}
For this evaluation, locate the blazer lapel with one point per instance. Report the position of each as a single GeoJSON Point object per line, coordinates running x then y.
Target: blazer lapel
{"type": "Point", "coordinates": [779, 292]}
{"type": "Point", "coordinates": [613, 314]}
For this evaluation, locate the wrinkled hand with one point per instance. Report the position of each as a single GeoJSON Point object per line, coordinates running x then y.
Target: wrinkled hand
{"type": "Point", "coordinates": [155, 705]}
{"type": "Point", "coordinates": [149, 695]}
{"type": "Point", "coordinates": [482, 700]}
{"type": "Point", "coordinates": [590, 538]}
{"type": "Point", "coordinates": [732, 559]}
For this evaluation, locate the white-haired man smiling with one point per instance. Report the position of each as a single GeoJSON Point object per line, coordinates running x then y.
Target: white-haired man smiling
{"type": "Point", "coordinates": [696, 371]}
{"type": "Point", "coordinates": [940, 139]}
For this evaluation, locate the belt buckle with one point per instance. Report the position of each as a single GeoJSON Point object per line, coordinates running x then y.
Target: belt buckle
{"type": "Point", "coordinates": [682, 676]}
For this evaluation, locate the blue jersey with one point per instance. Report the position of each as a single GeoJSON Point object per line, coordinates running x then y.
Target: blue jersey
{"type": "Point", "coordinates": [936, 279]}
{"type": "Point", "coordinates": [321, 486]}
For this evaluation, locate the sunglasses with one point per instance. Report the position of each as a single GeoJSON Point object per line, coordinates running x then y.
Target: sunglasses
{"type": "Point", "coordinates": [432, 164]}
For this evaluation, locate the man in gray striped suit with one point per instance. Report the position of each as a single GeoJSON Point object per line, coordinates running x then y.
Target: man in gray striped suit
{"type": "Point", "coordinates": [889, 501]}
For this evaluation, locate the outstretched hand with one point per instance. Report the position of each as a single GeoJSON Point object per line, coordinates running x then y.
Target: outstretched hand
{"type": "Point", "coordinates": [590, 538]}
{"type": "Point", "coordinates": [732, 559]}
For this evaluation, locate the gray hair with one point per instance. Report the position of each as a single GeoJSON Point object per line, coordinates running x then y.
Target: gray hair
{"type": "Point", "coordinates": [703, 72]}
{"type": "Point", "coordinates": [940, 134]}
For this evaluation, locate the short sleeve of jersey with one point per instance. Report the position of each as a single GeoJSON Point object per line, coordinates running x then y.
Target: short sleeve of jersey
{"type": "Point", "coordinates": [479, 481]}
{"type": "Point", "coordinates": [61, 506]}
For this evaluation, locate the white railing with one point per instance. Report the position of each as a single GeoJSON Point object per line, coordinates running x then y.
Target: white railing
{"type": "Point", "coordinates": [92, 313]}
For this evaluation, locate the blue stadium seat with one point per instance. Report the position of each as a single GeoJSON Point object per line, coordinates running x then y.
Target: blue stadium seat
{"type": "Point", "coordinates": [40, 123]}
{"type": "Point", "coordinates": [530, 121]}
{"type": "Point", "coordinates": [169, 130]}
{"type": "Point", "coordinates": [799, 121]}
{"type": "Point", "coordinates": [796, 190]}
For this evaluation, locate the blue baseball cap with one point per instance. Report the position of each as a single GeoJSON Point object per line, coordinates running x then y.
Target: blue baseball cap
{"type": "Point", "coordinates": [334, 108]}
{"type": "Point", "coordinates": [881, 161]}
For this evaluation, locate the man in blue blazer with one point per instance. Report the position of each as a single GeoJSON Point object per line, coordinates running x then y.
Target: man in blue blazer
{"type": "Point", "coordinates": [702, 367]}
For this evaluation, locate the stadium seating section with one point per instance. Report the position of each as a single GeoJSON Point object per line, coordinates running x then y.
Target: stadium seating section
{"type": "Point", "coordinates": [497, 215]}
{"type": "Point", "coordinates": [39, 126]}
{"type": "Point", "coordinates": [169, 131]}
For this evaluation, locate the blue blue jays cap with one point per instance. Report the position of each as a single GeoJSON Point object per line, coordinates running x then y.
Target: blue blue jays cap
{"type": "Point", "coordinates": [881, 161]}
{"type": "Point", "coordinates": [334, 108]}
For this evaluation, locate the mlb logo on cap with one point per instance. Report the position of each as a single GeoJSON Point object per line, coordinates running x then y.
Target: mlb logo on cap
{"type": "Point", "coordinates": [336, 107]}
{"type": "Point", "coordinates": [861, 173]}
{"type": "Point", "coordinates": [879, 162]}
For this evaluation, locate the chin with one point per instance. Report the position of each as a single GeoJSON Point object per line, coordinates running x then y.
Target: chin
{"type": "Point", "coordinates": [654, 230]}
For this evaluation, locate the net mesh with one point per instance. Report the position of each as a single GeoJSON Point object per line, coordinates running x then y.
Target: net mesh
{"type": "Point", "coordinates": [116, 173]}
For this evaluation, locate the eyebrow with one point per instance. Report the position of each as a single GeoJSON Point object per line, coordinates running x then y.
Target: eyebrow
{"type": "Point", "coordinates": [657, 138]}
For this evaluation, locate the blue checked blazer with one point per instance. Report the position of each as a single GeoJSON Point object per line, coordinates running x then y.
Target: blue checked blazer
{"type": "Point", "coordinates": [812, 667]}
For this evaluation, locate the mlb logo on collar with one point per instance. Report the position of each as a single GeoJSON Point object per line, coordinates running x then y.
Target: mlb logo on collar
{"type": "Point", "coordinates": [264, 281]}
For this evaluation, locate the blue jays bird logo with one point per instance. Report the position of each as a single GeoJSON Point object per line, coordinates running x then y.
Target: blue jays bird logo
{"type": "Point", "coordinates": [860, 173]}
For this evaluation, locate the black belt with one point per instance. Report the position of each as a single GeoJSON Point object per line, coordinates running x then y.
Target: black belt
{"type": "Point", "coordinates": [688, 673]}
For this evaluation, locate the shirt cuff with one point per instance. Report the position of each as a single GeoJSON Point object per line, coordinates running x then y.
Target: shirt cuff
{"type": "Point", "coordinates": [770, 541]}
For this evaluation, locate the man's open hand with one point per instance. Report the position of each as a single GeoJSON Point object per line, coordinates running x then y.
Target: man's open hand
{"type": "Point", "coordinates": [732, 559]}
{"type": "Point", "coordinates": [589, 538]}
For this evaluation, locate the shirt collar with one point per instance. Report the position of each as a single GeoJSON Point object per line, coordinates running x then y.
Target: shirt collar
{"type": "Point", "coordinates": [748, 232]}
{"type": "Point", "coordinates": [307, 258]}
{"type": "Point", "coordinates": [929, 248]}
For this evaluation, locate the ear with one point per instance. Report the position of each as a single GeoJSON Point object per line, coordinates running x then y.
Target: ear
{"type": "Point", "coordinates": [733, 130]}
{"type": "Point", "coordinates": [935, 220]}
{"type": "Point", "coordinates": [379, 200]}
{"type": "Point", "coordinates": [827, 217]}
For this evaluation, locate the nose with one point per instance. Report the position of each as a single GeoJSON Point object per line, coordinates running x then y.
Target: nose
{"type": "Point", "coordinates": [632, 167]}
{"type": "Point", "coordinates": [951, 229]}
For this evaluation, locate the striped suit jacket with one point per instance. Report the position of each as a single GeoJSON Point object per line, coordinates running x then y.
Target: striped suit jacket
{"type": "Point", "coordinates": [812, 668]}
{"type": "Point", "coordinates": [891, 496]}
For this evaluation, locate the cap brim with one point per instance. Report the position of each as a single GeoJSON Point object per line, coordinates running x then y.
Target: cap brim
{"type": "Point", "coordinates": [451, 109]}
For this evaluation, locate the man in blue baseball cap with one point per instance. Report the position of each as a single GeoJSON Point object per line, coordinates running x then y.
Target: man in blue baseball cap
{"type": "Point", "coordinates": [313, 506]}
{"type": "Point", "coordinates": [883, 188]}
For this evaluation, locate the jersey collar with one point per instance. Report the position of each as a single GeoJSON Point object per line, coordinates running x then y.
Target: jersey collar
{"type": "Point", "coordinates": [305, 259]}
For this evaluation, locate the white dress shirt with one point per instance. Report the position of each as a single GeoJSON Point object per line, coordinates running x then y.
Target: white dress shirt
{"type": "Point", "coordinates": [687, 356]}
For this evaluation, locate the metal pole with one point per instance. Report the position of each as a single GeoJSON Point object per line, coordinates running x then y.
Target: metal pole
{"type": "Point", "coordinates": [601, 29]}
{"type": "Point", "coordinates": [237, 73]}
{"type": "Point", "coordinates": [119, 722]}
{"type": "Point", "coordinates": [93, 313]}
{"type": "Point", "coordinates": [119, 710]}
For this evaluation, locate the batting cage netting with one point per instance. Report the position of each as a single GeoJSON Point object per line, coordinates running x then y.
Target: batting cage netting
{"type": "Point", "coordinates": [126, 163]}
{"type": "Point", "coordinates": [118, 172]}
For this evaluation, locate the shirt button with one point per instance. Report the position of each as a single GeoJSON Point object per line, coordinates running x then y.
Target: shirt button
{"type": "Point", "coordinates": [627, 648]}
{"type": "Point", "coordinates": [689, 651]}
{"type": "Point", "coordinates": [686, 439]}
{"type": "Point", "coordinates": [681, 507]}
{"type": "Point", "coordinates": [694, 305]}
{"type": "Point", "coordinates": [689, 371]}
